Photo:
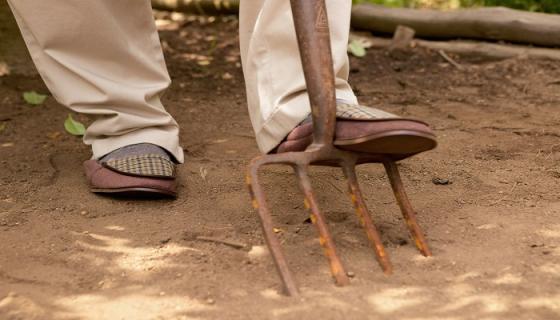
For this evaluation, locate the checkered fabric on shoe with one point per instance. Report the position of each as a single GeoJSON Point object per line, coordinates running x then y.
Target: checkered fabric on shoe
{"type": "Point", "coordinates": [146, 165]}
{"type": "Point", "coordinates": [357, 112]}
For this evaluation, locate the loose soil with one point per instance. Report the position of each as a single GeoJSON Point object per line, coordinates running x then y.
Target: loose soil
{"type": "Point", "coordinates": [494, 229]}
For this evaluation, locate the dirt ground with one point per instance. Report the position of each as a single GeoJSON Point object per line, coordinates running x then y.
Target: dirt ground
{"type": "Point", "coordinates": [495, 230]}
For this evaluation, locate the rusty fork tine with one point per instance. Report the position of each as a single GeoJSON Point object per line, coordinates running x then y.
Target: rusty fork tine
{"type": "Point", "coordinates": [365, 218]}
{"type": "Point", "coordinates": [259, 203]}
{"type": "Point", "coordinates": [406, 207]}
{"type": "Point", "coordinates": [337, 270]}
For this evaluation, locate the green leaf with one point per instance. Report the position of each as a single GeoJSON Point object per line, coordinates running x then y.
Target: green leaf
{"type": "Point", "coordinates": [74, 127]}
{"type": "Point", "coordinates": [34, 98]}
{"type": "Point", "coordinates": [2, 126]}
{"type": "Point", "coordinates": [357, 48]}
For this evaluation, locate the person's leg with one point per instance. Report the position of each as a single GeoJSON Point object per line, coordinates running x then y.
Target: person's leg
{"type": "Point", "coordinates": [103, 58]}
{"type": "Point", "coordinates": [276, 90]}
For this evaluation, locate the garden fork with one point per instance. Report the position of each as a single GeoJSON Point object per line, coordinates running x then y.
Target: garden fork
{"type": "Point", "coordinates": [312, 29]}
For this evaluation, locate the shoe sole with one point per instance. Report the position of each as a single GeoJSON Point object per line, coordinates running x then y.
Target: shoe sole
{"type": "Point", "coordinates": [397, 142]}
{"type": "Point", "coordinates": [136, 192]}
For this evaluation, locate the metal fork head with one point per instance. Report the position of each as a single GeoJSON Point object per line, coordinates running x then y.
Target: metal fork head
{"type": "Point", "coordinates": [300, 161]}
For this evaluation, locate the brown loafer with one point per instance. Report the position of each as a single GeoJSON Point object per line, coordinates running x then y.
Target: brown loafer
{"type": "Point", "coordinates": [368, 130]}
{"type": "Point", "coordinates": [104, 179]}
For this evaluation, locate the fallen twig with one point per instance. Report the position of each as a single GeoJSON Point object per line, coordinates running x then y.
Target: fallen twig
{"type": "Point", "coordinates": [450, 60]}
{"type": "Point", "coordinates": [553, 82]}
{"type": "Point", "coordinates": [504, 196]}
{"type": "Point", "coordinates": [233, 244]}
{"type": "Point", "coordinates": [484, 49]}
{"type": "Point", "coordinates": [334, 186]}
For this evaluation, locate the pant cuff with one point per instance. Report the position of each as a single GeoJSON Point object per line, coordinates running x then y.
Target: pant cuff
{"type": "Point", "coordinates": [287, 116]}
{"type": "Point", "coordinates": [165, 139]}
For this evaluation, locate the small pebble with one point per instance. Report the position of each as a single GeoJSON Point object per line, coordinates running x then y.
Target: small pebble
{"type": "Point", "coordinates": [441, 181]}
{"type": "Point", "coordinates": [350, 274]}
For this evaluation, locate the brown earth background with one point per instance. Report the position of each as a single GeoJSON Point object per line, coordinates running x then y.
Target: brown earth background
{"type": "Point", "coordinates": [494, 230]}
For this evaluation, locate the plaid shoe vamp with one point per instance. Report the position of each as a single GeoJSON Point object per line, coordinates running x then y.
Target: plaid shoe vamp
{"type": "Point", "coordinates": [357, 112]}
{"type": "Point", "coordinates": [146, 165]}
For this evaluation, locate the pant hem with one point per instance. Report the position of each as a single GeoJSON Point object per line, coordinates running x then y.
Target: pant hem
{"type": "Point", "coordinates": [287, 117]}
{"type": "Point", "coordinates": [164, 139]}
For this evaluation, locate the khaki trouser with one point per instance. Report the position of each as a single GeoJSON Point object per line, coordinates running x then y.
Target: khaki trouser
{"type": "Point", "coordinates": [103, 57]}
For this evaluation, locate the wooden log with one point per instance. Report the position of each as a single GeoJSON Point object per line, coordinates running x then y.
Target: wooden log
{"type": "Point", "coordinates": [494, 23]}
{"type": "Point", "coordinates": [483, 49]}
{"type": "Point", "coordinates": [207, 7]}
{"type": "Point", "coordinates": [402, 38]}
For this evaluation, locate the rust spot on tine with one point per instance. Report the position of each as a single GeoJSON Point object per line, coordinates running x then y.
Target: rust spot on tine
{"type": "Point", "coordinates": [325, 238]}
{"type": "Point", "coordinates": [365, 218]}
{"type": "Point", "coordinates": [259, 203]}
{"type": "Point", "coordinates": [406, 207]}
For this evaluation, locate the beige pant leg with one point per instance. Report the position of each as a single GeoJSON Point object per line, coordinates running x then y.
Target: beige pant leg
{"type": "Point", "coordinates": [276, 91]}
{"type": "Point", "coordinates": [103, 57]}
